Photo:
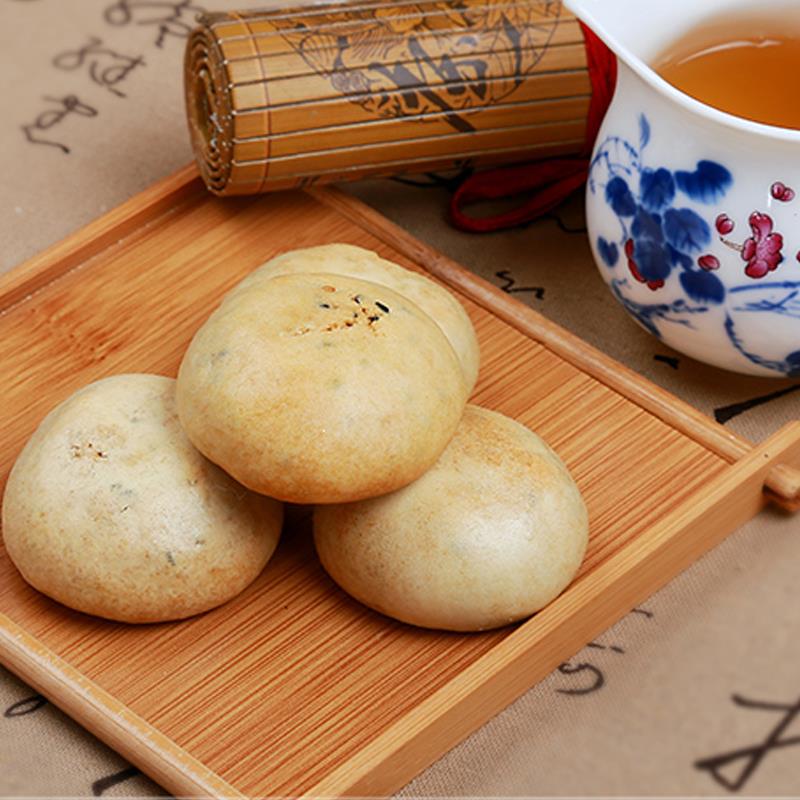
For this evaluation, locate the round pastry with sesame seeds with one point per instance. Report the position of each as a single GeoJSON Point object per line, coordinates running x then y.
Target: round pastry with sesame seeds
{"type": "Point", "coordinates": [320, 388]}
{"type": "Point", "coordinates": [357, 262]}
{"type": "Point", "coordinates": [111, 510]}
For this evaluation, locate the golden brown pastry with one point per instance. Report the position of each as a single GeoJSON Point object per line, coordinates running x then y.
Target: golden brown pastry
{"type": "Point", "coordinates": [489, 535]}
{"type": "Point", "coordinates": [356, 262]}
{"type": "Point", "coordinates": [110, 510]}
{"type": "Point", "coordinates": [320, 388]}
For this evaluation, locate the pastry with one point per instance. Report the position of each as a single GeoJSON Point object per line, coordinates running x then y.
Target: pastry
{"type": "Point", "coordinates": [320, 388]}
{"type": "Point", "coordinates": [356, 262]}
{"type": "Point", "coordinates": [489, 535]}
{"type": "Point", "coordinates": [110, 510]}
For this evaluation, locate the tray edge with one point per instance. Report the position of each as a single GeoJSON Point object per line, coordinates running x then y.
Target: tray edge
{"type": "Point", "coordinates": [469, 700]}
{"type": "Point", "coordinates": [88, 241]}
{"type": "Point", "coordinates": [106, 717]}
{"type": "Point", "coordinates": [591, 606]}
{"type": "Point", "coordinates": [783, 483]}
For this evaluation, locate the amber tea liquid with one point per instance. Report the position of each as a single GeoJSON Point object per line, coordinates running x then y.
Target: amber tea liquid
{"type": "Point", "coordinates": [746, 65]}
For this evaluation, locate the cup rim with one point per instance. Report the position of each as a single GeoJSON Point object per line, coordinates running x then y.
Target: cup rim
{"type": "Point", "coordinates": [666, 89]}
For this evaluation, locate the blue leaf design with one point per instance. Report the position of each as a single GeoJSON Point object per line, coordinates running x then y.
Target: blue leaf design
{"type": "Point", "coordinates": [647, 226]}
{"type": "Point", "coordinates": [704, 287]}
{"type": "Point", "coordinates": [676, 257]}
{"type": "Point", "coordinates": [685, 230]}
{"type": "Point", "coordinates": [707, 184]}
{"type": "Point", "coordinates": [620, 198]}
{"type": "Point", "coordinates": [652, 259]}
{"type": "Point", "coordinates": [656, 189]}
{"type": "Point", "coordinates": [609, 251]}
{"type": "Point", "coordinates": [793, 364]}
{"type": "Point", "coordinates": [644, 131]}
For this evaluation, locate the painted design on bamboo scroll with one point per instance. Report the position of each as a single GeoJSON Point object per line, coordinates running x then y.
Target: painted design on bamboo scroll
{"type": "Point", "coordinates": [410, 60]}
{"type": "Point", "coordinates": [665, 237]}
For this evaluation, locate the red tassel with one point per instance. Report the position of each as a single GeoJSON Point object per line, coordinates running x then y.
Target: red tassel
{"type": "Point", "coordinates": [602, 65]}
{"type": "Point", "coordinates": [550, 180]}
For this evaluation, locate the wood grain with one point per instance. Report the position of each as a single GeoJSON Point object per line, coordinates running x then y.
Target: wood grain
{"type": "Point", "coordinates": [101, 712]}
{"type": "Point", "coordinates": [293, 688]}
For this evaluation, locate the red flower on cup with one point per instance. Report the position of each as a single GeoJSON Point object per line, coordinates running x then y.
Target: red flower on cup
{"type": "Point", "coordinates": [780, 191]}
{"type": "Point", "coordinates": [761, 251]}
{"type": "Point", "coordinates": [634, 269]}
{"type": "Point", "coordinates": [724, 224]}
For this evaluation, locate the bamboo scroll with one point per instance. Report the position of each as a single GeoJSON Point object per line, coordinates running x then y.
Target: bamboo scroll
{"type": "Point", "coordinates": [289, 97]}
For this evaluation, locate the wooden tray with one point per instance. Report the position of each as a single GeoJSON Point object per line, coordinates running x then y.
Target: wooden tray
{"type": "Point", "coordinates": [292, 688]}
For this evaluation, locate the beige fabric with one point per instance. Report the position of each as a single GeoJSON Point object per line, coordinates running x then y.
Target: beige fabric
{"type": "Point", "coordinates": [727, 627]}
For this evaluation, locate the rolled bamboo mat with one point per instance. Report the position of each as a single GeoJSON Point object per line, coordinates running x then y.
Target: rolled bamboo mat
{"type": "Point", "coordinates": [293, 96]}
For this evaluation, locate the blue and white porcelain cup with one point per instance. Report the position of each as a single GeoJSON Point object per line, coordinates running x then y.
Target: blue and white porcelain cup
{"type": "Point", "coordinates": [693, 213]}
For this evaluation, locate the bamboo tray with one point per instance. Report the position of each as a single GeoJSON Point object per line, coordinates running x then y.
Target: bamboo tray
{"type": "Point", "coordinates": [292, 688]}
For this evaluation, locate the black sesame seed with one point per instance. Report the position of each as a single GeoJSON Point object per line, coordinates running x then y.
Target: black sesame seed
{"type": "Point", "coordinates": [382, 307]}
{"type": "Point", "coordinates": [357, 299]}
{"type": "Point", "coordinates": [373, 318]}
{"type": "Point", "coordinates": [324, 305]}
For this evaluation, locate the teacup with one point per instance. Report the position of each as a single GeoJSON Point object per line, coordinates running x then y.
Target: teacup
{"type": "Point", "coordinates": [693, 214]}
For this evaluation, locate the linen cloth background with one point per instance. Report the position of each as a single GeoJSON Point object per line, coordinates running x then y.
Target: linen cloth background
{"type": "Point", "coordinates": [705, 669]}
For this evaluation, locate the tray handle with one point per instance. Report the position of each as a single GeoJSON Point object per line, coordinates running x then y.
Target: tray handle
{"type": "Point", "coordinates": [782, 484]}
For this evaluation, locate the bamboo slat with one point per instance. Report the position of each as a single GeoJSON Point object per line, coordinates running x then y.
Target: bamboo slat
{"type": "Point", "coordinates": [292, 688]}
{"type": "Point", "coordinates": [289, 97]}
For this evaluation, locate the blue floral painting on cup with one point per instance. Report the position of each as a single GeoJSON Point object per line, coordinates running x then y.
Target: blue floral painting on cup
{"type": "Point", "coordinates": [660, 236]}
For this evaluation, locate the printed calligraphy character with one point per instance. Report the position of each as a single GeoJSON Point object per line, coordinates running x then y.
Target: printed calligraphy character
{"type": "Point", "coordinates": [750, 758]}
{"type": "Point", "coordinates": [170, 18]}
{"type": "Point", "coordinates": [106, 67]}
{"type": "Point", "coordinates": [592, 678]}
{"type": "Point", "coordinates": [48, 119]}
{"type": "Point", "coordinates": [28, 705]}
{"type": "Point", "coordinates": [510, 285]}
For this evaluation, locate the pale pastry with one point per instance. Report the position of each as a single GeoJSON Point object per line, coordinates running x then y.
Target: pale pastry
{"type": "Point", "coordinates": [494, 531]}
{"type": "Point", "coordinates": [110, 510]}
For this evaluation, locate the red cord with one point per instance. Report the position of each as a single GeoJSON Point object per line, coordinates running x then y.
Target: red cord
{"type": "Point", "coordinates": [551, 180]}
